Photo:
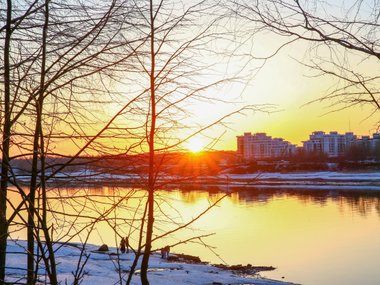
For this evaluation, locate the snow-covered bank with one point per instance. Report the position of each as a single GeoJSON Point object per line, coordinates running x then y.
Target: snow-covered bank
{"type": "Point", "coordinates": [323, 175]}
{"type": "Point", "coordinates": [102, 268]}
{"type": "Point", "coordinates": [324, 180]}
{"type": "Point", "coordinates": [369, 181]}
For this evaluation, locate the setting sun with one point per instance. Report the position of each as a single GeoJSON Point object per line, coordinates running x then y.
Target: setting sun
{"type": "Point", "coordinates": [195, 145]}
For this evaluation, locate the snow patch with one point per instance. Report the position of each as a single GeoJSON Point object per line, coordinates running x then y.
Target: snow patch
{"type": "Point", "coordinates": [102, 268]}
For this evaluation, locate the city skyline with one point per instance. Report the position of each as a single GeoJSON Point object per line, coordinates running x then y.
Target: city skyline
{"type": "Point", "coordinates": [332, 144]}
{"type": "Point", "coordinates": [358, 136]}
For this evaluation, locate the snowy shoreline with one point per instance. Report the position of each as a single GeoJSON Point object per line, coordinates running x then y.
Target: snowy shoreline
{"type": "Point", "coordinates": [102, 268]}
{"type": "Point", "coordinates": [353, 181]}
{"type": "Point", "coordinates": [369, 181]}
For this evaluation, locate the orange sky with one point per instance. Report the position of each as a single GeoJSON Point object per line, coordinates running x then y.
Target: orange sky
{"type": "Point", "coordinates": [287, 85]}
{"type": "Point", "coordinates": [283, 82]}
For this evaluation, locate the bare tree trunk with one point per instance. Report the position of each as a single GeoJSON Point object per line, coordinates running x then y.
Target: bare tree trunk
{"type": "Point", "coordinates": [39, 154]}
{"type": "Point", "coordinates": [51, 258]}
{"type": "Point", "coordinates": [151, 181]}
{"type": "Point", "coordinates": [138, 250]}
{"type": "Point", "coordinates": [5, 146]}
{"type": "Point", "coordinates": [31, 206]}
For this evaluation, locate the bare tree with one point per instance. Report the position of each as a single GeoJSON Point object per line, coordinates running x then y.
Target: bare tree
{"type": "Point", "coordinates": [48, 64]}
{"type": "Point", "coordinates": [167, 55]}
{"type": "Point", "coordinates": [186, 44]}
{"type": "Point", "coordinates": [5, 142]}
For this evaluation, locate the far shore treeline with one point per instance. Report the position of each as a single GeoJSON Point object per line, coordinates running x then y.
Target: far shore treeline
{"type": "Point", "coordinates": [205, 163]}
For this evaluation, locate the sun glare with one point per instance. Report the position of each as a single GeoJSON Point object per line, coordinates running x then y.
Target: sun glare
{"type": "Point", "coordinates": [195, 145]}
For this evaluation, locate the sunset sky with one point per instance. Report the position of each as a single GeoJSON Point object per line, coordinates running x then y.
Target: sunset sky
{"type": "Point", "coordinates": [291, 87]}
{"type": "Point", "coordinates": [283, 90]}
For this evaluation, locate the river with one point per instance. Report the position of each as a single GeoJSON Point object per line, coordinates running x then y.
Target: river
{"type": "Point", "coordinates": [312, 237]}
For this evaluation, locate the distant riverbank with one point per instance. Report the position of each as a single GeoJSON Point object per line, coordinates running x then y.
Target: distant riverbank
{"type": "Point", "coordinates": [315, 180]}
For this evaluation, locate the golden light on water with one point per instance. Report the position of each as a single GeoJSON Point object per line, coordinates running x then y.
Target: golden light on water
{"type": "Point", "coordinates": [311, 237]}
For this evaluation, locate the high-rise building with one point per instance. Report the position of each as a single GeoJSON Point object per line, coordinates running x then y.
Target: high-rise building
{"type": "Point", "coordinates": [332, 144]}
{"type": "Point", "coordinates": [370, 144]}
{"type": "Point", "coordinates": [261, 146]}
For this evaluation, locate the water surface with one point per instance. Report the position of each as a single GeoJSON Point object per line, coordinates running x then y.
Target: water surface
{"type": "Point", "coordinates": [312, 237]}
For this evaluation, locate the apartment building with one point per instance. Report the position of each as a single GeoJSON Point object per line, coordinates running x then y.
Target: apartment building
{"type": "Point", "coordinates": [332, 144]}
{"type": "Point", "coordinates": [369, 143]}
{"type": "Point", "coordinates": [261, 146]}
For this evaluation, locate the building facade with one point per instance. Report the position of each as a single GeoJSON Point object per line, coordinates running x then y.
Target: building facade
{"type": "Point", "coordinates": [261, 146]}
{"type": "Point", "coordinates": [371, 145]}
{"type": "Point", "coordinates": [331, 144]}
{"type": "Point", "coordinates": [335, 145]}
